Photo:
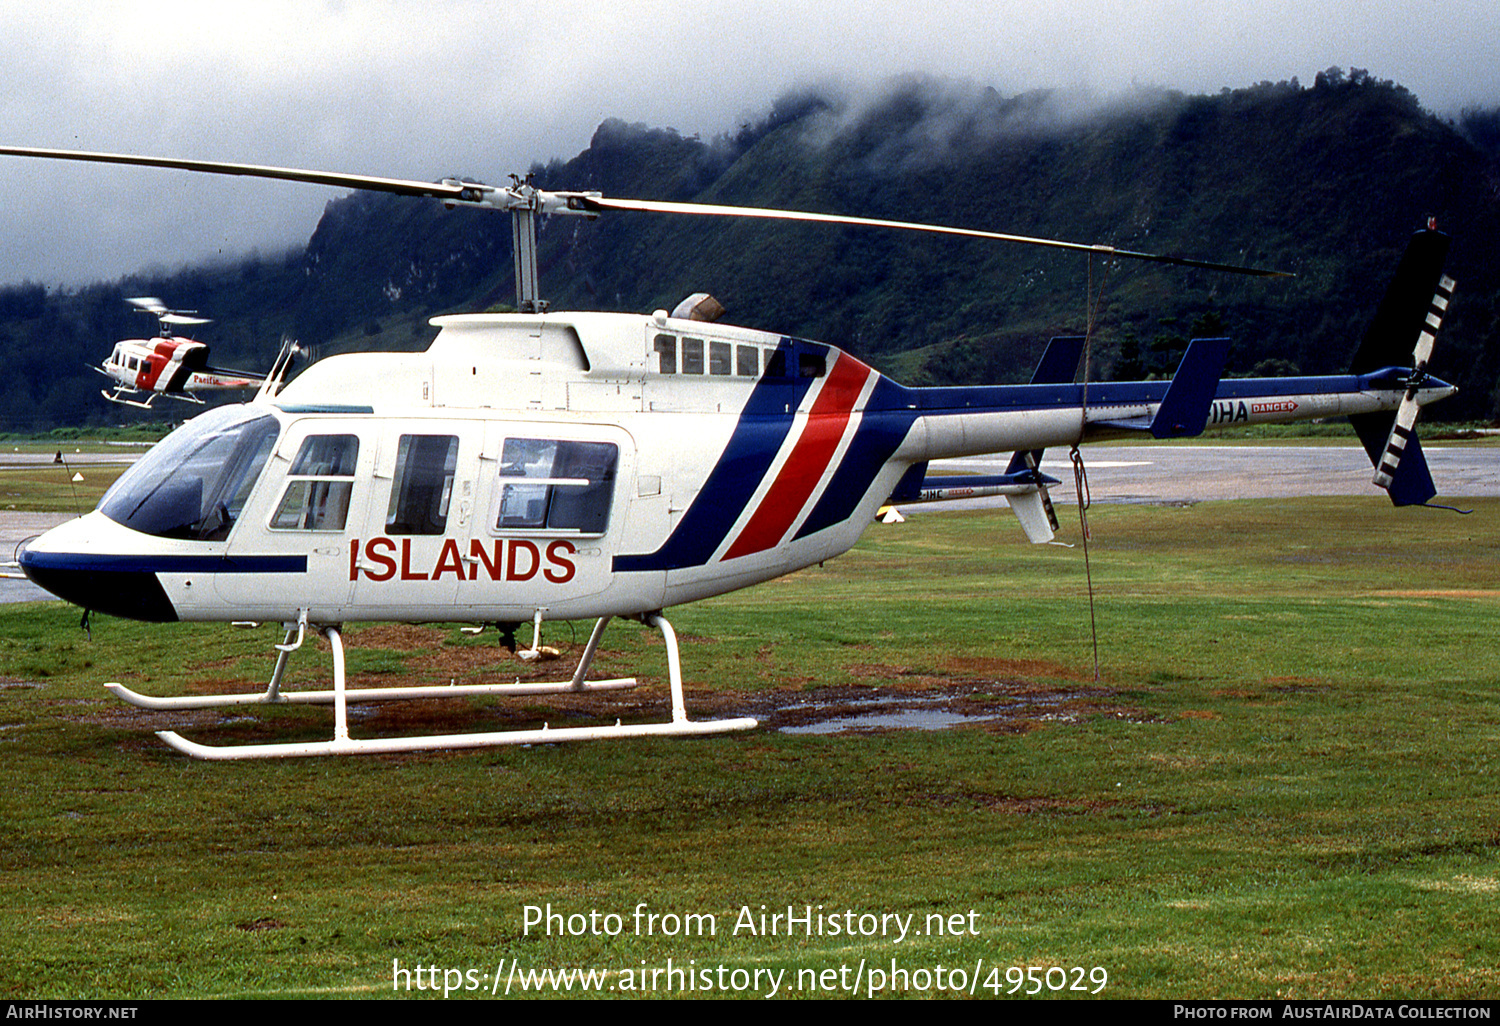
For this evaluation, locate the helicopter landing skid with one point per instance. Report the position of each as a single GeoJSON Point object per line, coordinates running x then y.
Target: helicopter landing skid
{"type": "Point", "coordinates": [340, 696]}
{"type": "Point", "coordinates": [118, 396]}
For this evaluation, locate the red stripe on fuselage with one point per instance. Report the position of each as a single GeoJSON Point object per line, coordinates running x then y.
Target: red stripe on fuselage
{"type": "Point", "coordinates": [151, 370]}
{"type": "Point", "coordinates": [804, 468]}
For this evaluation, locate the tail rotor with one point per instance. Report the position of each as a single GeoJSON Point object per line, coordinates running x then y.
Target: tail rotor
{"type": "Point", "coordinates": [1415, 303]}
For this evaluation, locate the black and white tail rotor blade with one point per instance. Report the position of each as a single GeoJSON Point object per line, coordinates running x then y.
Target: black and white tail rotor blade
{"type": "Point", "coordinates": [1406, 414]}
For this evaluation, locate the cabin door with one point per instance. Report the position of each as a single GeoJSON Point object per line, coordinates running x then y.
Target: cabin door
{"type": "Point", "coordinates": [407, 563]}
{"type": "Point", "coordinates": [553, 497]}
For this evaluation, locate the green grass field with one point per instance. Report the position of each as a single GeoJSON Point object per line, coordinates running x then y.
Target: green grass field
{"type": "Point", "coordinates": [51, 486]}
{"type": "Point", "coordinates": [1282, 786]}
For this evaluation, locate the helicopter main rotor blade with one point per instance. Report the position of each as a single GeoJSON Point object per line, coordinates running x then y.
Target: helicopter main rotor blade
{"type": "Point", "coordinates": [659, 207]}
{"type": "Point", "coordinates": [159, 310]}
{"type": "Point", "coordinates": [525, 197]}
{"type": "Point", "coordinates": [437, 190]}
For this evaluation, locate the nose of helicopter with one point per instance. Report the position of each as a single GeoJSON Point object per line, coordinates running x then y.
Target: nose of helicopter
{"type": "Point", "coordinates": [76, 562]}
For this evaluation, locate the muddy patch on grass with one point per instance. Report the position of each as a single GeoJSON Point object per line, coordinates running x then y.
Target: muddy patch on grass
{"type": "Point", "coordinates": [997, 706]}
{"type": "Point", "coordinates": [263, 923]}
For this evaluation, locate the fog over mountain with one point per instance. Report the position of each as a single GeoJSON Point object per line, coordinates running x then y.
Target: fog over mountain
{"type": "Point", "coordinates": [402, 89]}
{"type": "Point", "coordinates": [1326, 179]}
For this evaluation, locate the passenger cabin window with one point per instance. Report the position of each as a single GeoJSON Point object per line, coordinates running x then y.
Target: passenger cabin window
{"type": "Point", "coordinates": [725, 359]}
{"type": "Point", "coordinates": [666, 350]}
{"type": "Point", "coordinates": [423, 484]}
{"type": "Point", "coordinates": [732, 359]}
{"type": "Point", "coordinates": [718, 358]}
{"type": "Point", "coordinates": [319, 485]}
{"type": "Point", "coordinates": [552, 485]}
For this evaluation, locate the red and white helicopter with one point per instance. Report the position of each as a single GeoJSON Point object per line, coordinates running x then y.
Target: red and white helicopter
{"type": "Point", "coordinates": [554, 466]}
{"type": "Point", "coordinates": [169, 364]}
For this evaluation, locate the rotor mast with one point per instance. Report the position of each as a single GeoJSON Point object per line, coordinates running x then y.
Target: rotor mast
{"type": "Point", "coordinates": [525, 202]}
{"type": "Point", "coordinates": [523, 244]}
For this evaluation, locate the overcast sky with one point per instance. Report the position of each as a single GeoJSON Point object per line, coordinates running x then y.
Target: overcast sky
{"type": "Point", "coordinates": [481, 88]}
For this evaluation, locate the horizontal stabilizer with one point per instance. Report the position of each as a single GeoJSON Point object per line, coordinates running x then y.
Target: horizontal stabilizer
{"type": "Point", "coordinates": [1025, 491]}
{"type": "Point", "coordinates": [969, 486]}
{"type": "Point", "coordinates": [1184, 409]}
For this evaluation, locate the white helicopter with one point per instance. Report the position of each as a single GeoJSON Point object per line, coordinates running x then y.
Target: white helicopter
{"type": "Point", "coordinates": [170, 364]}
{"type": "Point", "coordinates": [554, 466]}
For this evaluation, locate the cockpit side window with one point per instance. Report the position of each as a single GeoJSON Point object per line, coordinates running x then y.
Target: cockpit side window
{"type": "Point", "coordinates": [319, 485]}
{"type": "Point", "coordinates": [195, 482]}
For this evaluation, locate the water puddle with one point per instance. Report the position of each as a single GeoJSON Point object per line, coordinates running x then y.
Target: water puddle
{"type": "Point", "coordinates": [839, 713]}
{"type": "Point", "coordinates": [909, 720]}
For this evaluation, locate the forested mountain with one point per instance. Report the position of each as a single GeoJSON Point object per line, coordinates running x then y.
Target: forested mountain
{"type": "Point", "coordinates": [1326, 181]}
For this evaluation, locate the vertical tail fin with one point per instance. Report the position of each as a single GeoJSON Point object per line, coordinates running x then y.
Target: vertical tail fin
{"type": "Point", "coordinates": [1183, 412]}
{"type": "Point", "coordinates": [1402, 314]}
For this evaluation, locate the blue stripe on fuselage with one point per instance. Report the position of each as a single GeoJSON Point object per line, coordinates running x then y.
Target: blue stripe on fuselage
{"type": "Point", "coordinates": [163, 564]}
{"type": "Point", "coordinates": [884, 425]}
{"type": "Point", "coordinates": [983, 398]}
